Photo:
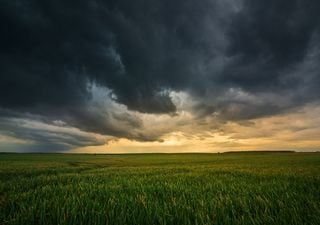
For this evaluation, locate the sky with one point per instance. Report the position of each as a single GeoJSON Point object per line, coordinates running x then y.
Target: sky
{"type": "Point", "coordinates": [121, 76]}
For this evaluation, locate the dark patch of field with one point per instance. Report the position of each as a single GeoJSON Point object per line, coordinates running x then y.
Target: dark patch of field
{"type": "Point", "coordinates": [237, 188]}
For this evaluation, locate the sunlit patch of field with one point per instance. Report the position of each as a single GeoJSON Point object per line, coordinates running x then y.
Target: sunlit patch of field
{"type": "Point", "coordinates": [237, 188]}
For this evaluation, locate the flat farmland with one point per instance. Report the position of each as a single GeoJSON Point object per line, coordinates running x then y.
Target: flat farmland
{"type": "Point", "coordinates": [229, 188]}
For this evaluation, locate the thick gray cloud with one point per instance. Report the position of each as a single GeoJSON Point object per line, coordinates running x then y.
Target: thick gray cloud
{"type": "Point", "coordinates": [41, 136]}
{"type": "Point", "coordinates": [50, 51]}
{"type": "Point", "coordinates": [239, 60]}
{"type": "Point", "coordinates": [268, 38]}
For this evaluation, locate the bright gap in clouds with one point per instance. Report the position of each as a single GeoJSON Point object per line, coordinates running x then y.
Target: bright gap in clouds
{"type": "Point", "coordinates": [184, 131]}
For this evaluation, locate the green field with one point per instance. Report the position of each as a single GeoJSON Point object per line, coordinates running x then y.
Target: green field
{"type": "Point", "coordinates": [234, 188]}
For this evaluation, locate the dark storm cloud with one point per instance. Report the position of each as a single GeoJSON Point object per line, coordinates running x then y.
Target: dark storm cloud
{"type": "Point", "coordinates": [49, 51]}
{"type": "Point", "coordinates": [238, 59]}
{"type": "Point", "coordinates": [268, 38]}
{"type": "Point", "coordinates": [274, 48]}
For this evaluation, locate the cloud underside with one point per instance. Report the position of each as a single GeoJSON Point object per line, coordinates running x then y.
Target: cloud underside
{"type": "Point", "coordinates": [83, 73]}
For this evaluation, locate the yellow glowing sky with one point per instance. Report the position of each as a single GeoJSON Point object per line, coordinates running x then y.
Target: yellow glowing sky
{"type": "Point", "coordinates": [184, 131]}
{"type": "Point", "coordinates": [299, 130]}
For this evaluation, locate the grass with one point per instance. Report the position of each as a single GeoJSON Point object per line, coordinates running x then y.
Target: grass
{"type": "Point", "coordinates": [238, 188]}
